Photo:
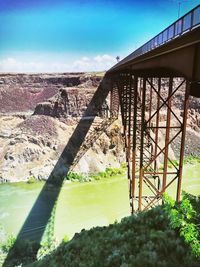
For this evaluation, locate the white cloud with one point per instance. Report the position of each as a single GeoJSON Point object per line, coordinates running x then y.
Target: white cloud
{"type": "Point", "coordinates": [104, 58]}
{"type": "Point", "coordinates": [97, 63]}
{"type": "Point", "coordinates": [15, 65]}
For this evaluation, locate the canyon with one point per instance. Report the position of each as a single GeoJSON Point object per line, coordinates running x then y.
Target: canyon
{"type": "Point", "coordinates": [46, 116]}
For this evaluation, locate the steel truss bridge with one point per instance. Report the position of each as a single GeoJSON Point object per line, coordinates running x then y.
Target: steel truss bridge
{"type": "Point", "coordinates": [144, 87]}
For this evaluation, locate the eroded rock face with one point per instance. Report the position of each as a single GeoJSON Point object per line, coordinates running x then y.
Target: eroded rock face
{"type": "Point", "coordinates": [27, 143]}
{"type": "Point", "coordinates": [73, 102]}
{"type": "Point", "coordinates": [47, 140]}
{"type": "Point", "coordinates": [67, 102]}
{"type": "Point", "coordinates": [34, 147]}
{"type": "Point", "coordinates": [22, 92]}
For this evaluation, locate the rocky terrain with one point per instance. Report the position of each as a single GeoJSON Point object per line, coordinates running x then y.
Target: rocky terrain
{"type": "Point", "coordinates": [38, 127]}
{"type": "Point", "coordinates": [22, 92]}
{"type": "Point", "coordinates": [52, 122]}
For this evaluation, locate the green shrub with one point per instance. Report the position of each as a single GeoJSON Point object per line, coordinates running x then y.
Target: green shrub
{"type": "Point", "coordinates": [191, 160]}
{"type": "Point", "coordinates": [73, 176]}
{"type": "Point", "coordinates": [109, 172]}
{"type": "Point", "coordinates": [31, 180]}
{"type": "Point", "coordinates": [183, 217]}
{"type": "Point", "coordinates": [7, 244]}
{"type": "Point", "coordinates": [23, 252]}
{"type": "Point", "coordinates": [144, 239]}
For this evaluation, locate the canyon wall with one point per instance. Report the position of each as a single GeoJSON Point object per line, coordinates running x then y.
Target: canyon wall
{"type": "Point", "coordinates": [49, 120]}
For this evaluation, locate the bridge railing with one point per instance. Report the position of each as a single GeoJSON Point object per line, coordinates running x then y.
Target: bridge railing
{"type": "Point", "coordinates": [186, 23]}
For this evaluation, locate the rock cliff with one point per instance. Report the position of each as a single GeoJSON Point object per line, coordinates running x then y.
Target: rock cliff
{"type": "Point", "coordinates": [48, 120]}
{"type": "Point", "coordinates": [32, 144]}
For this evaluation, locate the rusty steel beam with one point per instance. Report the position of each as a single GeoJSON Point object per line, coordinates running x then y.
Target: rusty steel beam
{"type": "Point", "coordinates": [157, 123]}
{"type": "Point", "coordinates": [114, 101]}
{"type": "Point", "coordinates": [184, 124]}
{"type": "Point", "coordinates": [150, 101]}
{"type": "Point", "coordinates": [167, 134]}
{"type": "Point", "coordinates": [133, 184]}
{"type": "Point", "coordinates": [142, 142]}
{"type": "Point", "coordinates": [142, 100]}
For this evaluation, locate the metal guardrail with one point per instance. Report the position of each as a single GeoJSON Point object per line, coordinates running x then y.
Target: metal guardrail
{"type": "Point", "coordinates": [186, 23]}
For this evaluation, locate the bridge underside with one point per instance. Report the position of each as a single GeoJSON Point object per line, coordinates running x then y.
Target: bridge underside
{"type": "Point", "coordinates": [150, 90]}
{"type": "Point", "coordinates": [177, 58]}
{"type": "Point", "coordinates": [151, 126]}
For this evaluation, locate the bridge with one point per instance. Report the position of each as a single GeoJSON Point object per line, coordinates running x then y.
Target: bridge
{"type": "Point", "coordinates": [144, 86]}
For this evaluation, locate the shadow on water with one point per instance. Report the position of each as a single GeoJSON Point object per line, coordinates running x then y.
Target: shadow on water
{"type": "Point", "coordinates": [40, 214]}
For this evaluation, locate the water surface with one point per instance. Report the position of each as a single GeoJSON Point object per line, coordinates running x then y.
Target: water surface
{"type": "Point", "coordinates": [80, 205]}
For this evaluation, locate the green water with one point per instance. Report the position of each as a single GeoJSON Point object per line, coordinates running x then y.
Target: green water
{"type": "Point", "coordinates": [191, 178]}
{"type": "Point", "coordinates": [80, 205]}
{"type": "Point", "coordinates": [190, 181]}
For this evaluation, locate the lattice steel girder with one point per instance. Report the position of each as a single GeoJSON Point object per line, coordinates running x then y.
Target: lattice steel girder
{"type": "Point", "coordinates": [145, 102]}
{"type": "Point", "coordinates": [114, 101]}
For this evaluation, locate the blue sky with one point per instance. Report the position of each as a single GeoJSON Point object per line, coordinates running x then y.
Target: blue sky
{"type": "Point", "coordinates": [63, 35]}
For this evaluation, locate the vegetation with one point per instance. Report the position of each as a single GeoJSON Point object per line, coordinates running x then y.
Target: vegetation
{"type": "Point", "coordinates": [6, 243]}
{"type": "Point", "coordinates": [187, 160]}
{"type": "Point", "coordinates": [191, 160]}
{"type": "Point", "coordinates": [108, 173]}
{"type": "Point", "coordinates": [158, 237]}
{"type": "Point", "coordinates": [31, 180]}
{"type": "Point", "coordinates": [185, 218]}
{"type": "Point", "coordinates": [73, 176]}
{"type": "Point", "coordinates": [17, 252]}
{"type": "Point", "coordinates": [166, 236]}
{"type": "Point", "coordinates": [173, 163]}
{"type": "Point", "coordinates": [22, 251]}
{"type": "Point", "coordinates": [48, 243]}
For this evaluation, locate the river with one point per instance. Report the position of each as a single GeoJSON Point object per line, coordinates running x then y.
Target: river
{"type": "Point", "coordinates": [79, 205]}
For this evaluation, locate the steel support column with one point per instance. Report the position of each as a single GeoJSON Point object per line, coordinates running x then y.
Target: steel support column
{"type": "Point", "coordinates": [134, 148]}
{"type": "Point", "coordinates": [184, 124]}
{"type": "Point", "coordinates": [142, 134]}
{"type": "Point", "coordinates": [144, 103]}
{"type": "Point", "coordinates": [114, 101]}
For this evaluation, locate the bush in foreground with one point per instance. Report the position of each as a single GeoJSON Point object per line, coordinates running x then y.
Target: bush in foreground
{"type": "Point", "coordinates": [146, 239]}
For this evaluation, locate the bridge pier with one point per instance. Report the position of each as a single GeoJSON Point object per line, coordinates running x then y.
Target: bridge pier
{"type": "Point", "coordinates": [151, 125]}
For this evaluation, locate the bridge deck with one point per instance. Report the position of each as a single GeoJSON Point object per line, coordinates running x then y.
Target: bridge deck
{"type": "Point", "coordinates": [173, 52]}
